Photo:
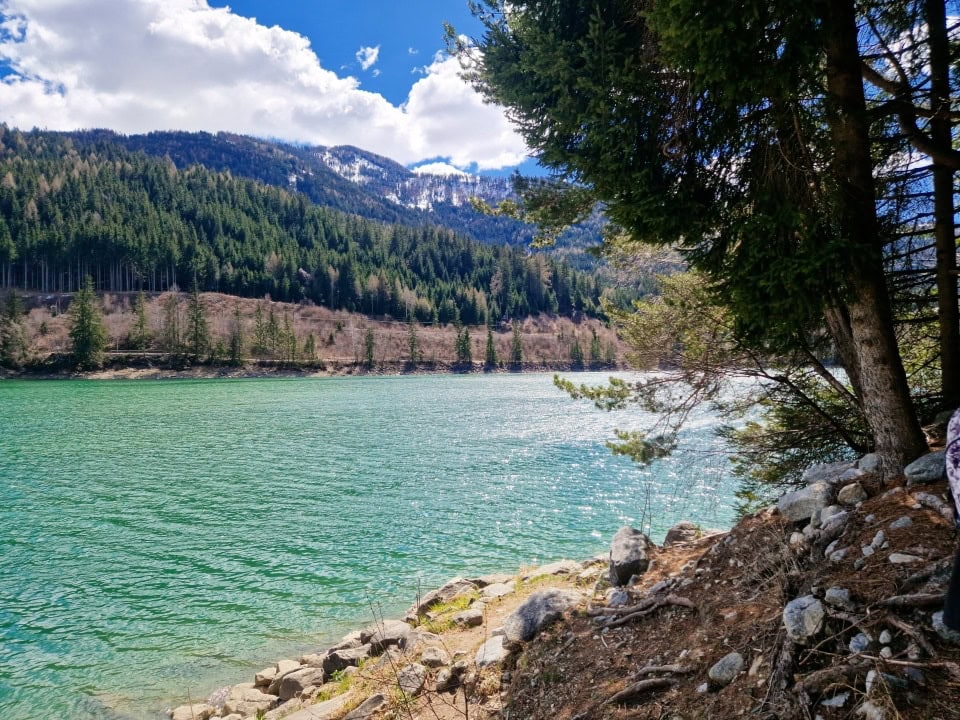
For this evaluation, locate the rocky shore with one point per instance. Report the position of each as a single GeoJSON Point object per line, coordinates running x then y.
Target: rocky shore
{"type": "Point", "coordinates": [821, 606]}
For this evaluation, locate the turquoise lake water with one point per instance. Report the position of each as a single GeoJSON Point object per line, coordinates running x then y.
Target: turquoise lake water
{"type": "Point", "coordinates": [160, 538]}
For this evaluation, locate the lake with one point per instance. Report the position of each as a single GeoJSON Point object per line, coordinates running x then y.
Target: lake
{"type": "Point", "coordinates": [160, 538]}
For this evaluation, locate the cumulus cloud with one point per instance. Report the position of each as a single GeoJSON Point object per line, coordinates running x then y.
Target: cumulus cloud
{"type": "Point", "coordinates": [180, 64]}
{"type": "Point", "coordinates": [368, 56]}
{"type": "Point", "coordinates": [439, 168]}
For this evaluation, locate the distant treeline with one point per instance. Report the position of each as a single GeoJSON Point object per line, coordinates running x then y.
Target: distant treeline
{"type": "Point", "coordinates": [135, 222]}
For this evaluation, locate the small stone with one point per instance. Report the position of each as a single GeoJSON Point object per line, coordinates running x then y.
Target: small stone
{"type": "Point", "coordinates": [903, 559]}
{"type": "Point", "coordinates": [870, 711]}
{"type": "Point", "coordinates": [434, 657]}
{"type": "Point", "coordinates": [617, 597]}
{"type": "Point", "coordinates": [838, 555]}
{"type": "Point", "coordinates": [497, 590]}
{"type": "Point", "coordinates": [797, 539]}
{"type": "Point", "coordinates": [886, 652]}
{"type": "Point", "coordinates": [446, 680]}
{"type": "Point", "coordinates": [867, 550]}
{"type": "Point", "coordinates": [837, 701]}
{"type": "Point", "coordinates": [726, 669]}
{"type": "Point", "coordinates": [828, 551]}
{"type": "Point", "coordinates": [871, 518]}
{"type": "Point", "coordinates": [878, 540]}
{"type": "Point", "coordinates": [885, 637]}
{"type": "Point", "coordinates": [852, 494]}
{"type": "Point", "coordinates": [859, 643]}
{"type": "Point", "coordinates": [839, 598]}
{"type": "Point", "coordinates": [859, 563]}
{"type": "Point", "coordinates": [412, 678]}
{"type": "Point", "coordinates": [948, 634]}
{"type": "Point", "coordinates": [901, 523]}
{"type": "Point", "coordinates": [873, 677]}
{"type": "Point", "coordinates": [702, 688]}
{"type": "Point", "coordinates": [471, 617]}
{"type": "Point", "coordinates": [682, 532]}
{"type": "Point", "coordinates": [803, 618]}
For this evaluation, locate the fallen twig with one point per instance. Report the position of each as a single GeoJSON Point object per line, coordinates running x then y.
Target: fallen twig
{"type": "Point", "coordinates": [918, 637]}
{"type": "Point", "coordinates": [952, 668]}
{"type": "Point", "coordinates": [916, 600]}
{"type": "Point", "coordinates": [817, 682]}
{"type": "Point", "coordinates": [936, 568]}
{"type": "Point", "coordinates": [638, 688]}
{"type": "Point", "coordinates": [669, 669]}
{"type": "Point", "coordinates": [659, 603]}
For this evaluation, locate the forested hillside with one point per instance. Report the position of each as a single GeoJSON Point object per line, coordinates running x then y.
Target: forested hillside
{"type": "Point", "coordinates": [133, 221]}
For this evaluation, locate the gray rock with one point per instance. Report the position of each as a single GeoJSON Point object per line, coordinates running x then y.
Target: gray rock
{"type": "Point", "coordinates": [682, 532]}
{"type": "Point", "coordinates": [797, 539]}
{"type": "Point", "coordinates": [839, 555]}
{"type": "Point", "coordinates": [385, 634]}
{"type": "Point", "coordinates": [867, 550]}
{"type": "Point", "coordinates": [617, 597]}
{"type": "Point", "coordinates": [492, 652]}
{"type": "Point", "coordinates": [838, 598]}
{"type": "Point", "coordinates": [265, 677]}
{"type": "Point", "coordinates": [726, 669]}
{"type": "Point", "coordinates": [560, 567]}
{"type": "Point", "coordinates": [702, 688]}
{"type": "Point", "coordinates": [200, 711]}
{"type": "Point", "coordinates": [901, 523]}
{"type": "Point", "coordinates": [837, 701]}
{"type": "Point", "coordinates": [446, 680]}
{"type": "Point", "coordinates": [829, 512]}
{"type": "Point", "coordinates": [367, 709]}
{"type": "Point", "coordinates": [337, 660]}
{"type": "Point", "coordinates": [451, 590]}
{"type": "Point", "coordinates": [218, 697]}
{"type": "Point", "coordinates": [471, 617]}
{"type": "Point", "coordinates": [628, 555]}
{"type": "Point", "coordinates": [801, 504]}
{"type": "Point", "coordinates": [293, 684]}
{"type": "Point", "coordinates": [886, 652]}
{"type": "Point", "coordinates": [284, 667]}
{"type": "Point", "coordinates": [538, 611]}
{"type": "Point", "coordinates": [852, 494]}
{"type": "Point", "coordinates": [828, 473]}
{"type": "Point", "coordinates": [492, 579]}
{"type": "Point", "coordinates": [412, 678]}
{"type": "Point", "coordinates": [870, 684]}
{"type": "Point", "coordinates": [869, 463]}
{"type": "Point", "coordinates": [803, 618]}
{"type": "Point", "coordinates": [878, 540]}
{"type": "Point", "coordinates": [904, 559]}
{"type": "Point", "coordinates": [951, 636]}
{"type": "Point", "coordinates": [926, 469]}
{"type": "Point", "coordinates": [859, 564]}
{"type": "Point", "coordinates": [497, 590]}
{"type": "Point", "coordinates": [885, 637]}
{"type": "Point", "coordinates": [247, 700]}
{"type": "Point", "coordinates": [434, 657]}
{"type": "Point", "coordinates": [860, 643]}
{"type": "Point", "coordinates": [327, 710]}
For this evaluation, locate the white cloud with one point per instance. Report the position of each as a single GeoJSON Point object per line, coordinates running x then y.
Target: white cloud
{"type": "Point", "coordinates": [412, 51]}
{"type": "Point", "coordinates": [368, 56]}
{"type": "Point", "coordinates": [180, 64]}
{"type": "Point", "coordinates": [439, 168]}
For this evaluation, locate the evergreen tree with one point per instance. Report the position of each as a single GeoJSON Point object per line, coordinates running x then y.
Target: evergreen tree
{"type": "Point", "coordinates": [369, 342]}
{"type": "Point", "coordinates": [273, 334]}
{"type": "Point", "coordinates": [236, 337]}
{"type": "Point", "coordinates": [412, 344]}
{"type": "Point", "coordinates": [576, 353]}
{"type": "Point", "coordinates": [596, 351]}
{"type": "Point", "coordinates": [490, 358]}
{"type": "Point", "coordinates": [259, 331]}
{"type": "Point", "coordinates": [140, 333]}
{"type": "Point", "coordinates": [462, 348]}
{"type": "Point", "coordinates": [88, 335]}
{"type": "Point", "coordinates": [310, 348]}
{"type": "Point", "coordinates": [170, 336]}
{"type": "Point", "coordinates": [289, 341]}
{"type": "Point", "coordinates": [14, 347]}
{"type": "Point", "coordinates": [198, 330]}
{"type": "Point", "coordinates": [516, 345]}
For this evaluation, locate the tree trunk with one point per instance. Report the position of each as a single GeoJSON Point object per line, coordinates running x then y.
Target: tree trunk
{"type": "Point", "coordinates": [935, 14]}
{"type": "Point", "coordinates": [886, 396]}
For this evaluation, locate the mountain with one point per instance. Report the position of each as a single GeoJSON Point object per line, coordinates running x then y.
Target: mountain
{"type": "Point", "coordinates": [355, 181]}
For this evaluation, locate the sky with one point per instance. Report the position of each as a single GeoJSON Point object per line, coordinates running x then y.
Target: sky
{"type": "Point", "coordinates": [369, 73]}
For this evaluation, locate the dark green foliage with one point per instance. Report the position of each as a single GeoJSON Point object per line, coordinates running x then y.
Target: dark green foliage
{"type": "Point", "coordinates": [576, 353]}
{"type": "Point", "coordinates": [596, 352]}
{"type": "Point", "coordinates": [462, 348]}
{"type": "Point", "coordinates": [140, 332]}
{"type": "Point", "coordinates": [490, 356]}
{"type": "Point", "coordinates": [369, 343]}
{"type": "Point", "coordinates": [170, 332]}
{"type": "Point", "coordinates": [516, 345]}
{"type": "Point", "coordinates": [133, 221]}
{"type": "Point", "coordinates": [259, 331]}
{"type": "Point", "coordinates": [413, 347]}
{"type": "Point", "coordinates": [14, 347]}
{"type": "Point", "coordinates": [236, 342]}
{"type": "Point", "coordinates": [198, 330]}
{"type": "Point", "coordinates": [88, 335]}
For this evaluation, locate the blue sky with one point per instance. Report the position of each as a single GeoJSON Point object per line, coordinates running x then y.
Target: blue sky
{"type": "Point", "coordinates": [328, 72]}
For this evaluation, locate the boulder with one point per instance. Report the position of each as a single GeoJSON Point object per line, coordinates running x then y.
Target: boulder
{"type": "Point", "coordinates": [826, 473]}
{"type": "Point", "coordinates": [926, 469]}
{"type": "Point", "coordinates": [284, 667]}
{"type": "Point", "coordinates": [471, 617]}
{"type": "Point", "coordinates": [682, 532]}
{"type": "Point", "coordinates": [350, 640]}
{"type": "Point", "coordinates": [802, 504]}
{"type": "Point", "coordinates": [434, 657]}
{"type": "Point", "coordinates": [492, 579]}
{"type": "Point", "coordinates": [246, 700]}
{"type": "Point", "coordinates": [724, 671]}
{"type": "Point", "coordinates": [560, 567]}
{"type": "Point", "coordinates": [492, 652]}
{"type": "Point", "coordinates": [446, 680]}
{"type": "Point", "coordinates": [852, 494]}
{"type": "Point", "coordinates": [453, 589]}
{"type": "Point", "coordinates": [869, 463]}
{"type": "Point", "coordinates": [337, 660]}
{"type": "Point", "coordinates": [628, 555]}
{"type": "Point", "coordinates": [200, 711]}
{"type": "Point", "coordinates": [293, 684]}
{"type": "Point", "coordinates": [803, 618]}
{"type": "Point", "coordinates": [538, 611]}
{"type": "Point", "coordinates": [327, 710]}
{"type": "Point", "coordinates": [838, 598]}
{"type": "Point", "coordinates": [496, 590]}
{"type": "Point", "coordinates": [412, 678]}
{"type": "Point", "coordinates": [830, 511]}
{"type": "Point", "coordinates": [265, 677]}
{"type": "Point", "coordinates": [385, 634]}
{"type": "Point", "coordinates": [367, 709]}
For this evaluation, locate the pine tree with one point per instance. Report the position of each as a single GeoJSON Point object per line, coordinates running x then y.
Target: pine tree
{"type": "Point", "coordinates": [273, 334]}
{"type": "Point", "coordinates": [462, 349]}
{"type": "Point", "coordinates": [491, 353]}
{"type": "Point", "coordinates": [516, 346]}
{"type": "Point", "coordinates": [369, 342]}
{"type": "Point", "coordinates": [412, 344]}
{"type": "Point", "coordinates": [170, 338]}
{"type": "Point", "coordinates": [14, 347]}
{"type": "Point", "coordinates": [576, 353]}
{"type": "Point", "coordinates": [236, 337]}
{"type": "Point", "coordinates": [259, 331]}
{"type": "Point", "coordinates": [140, 333]}
{"type": "Point", "coordinates": [288, 341]}
{"type": "Point", "coordinates": [198, 331]}
{"type": "Point", "coordinates": [88, 334]}
{"type": "Point", "coordinates": [596, 351]}
{"type": "Point", "coordinates": [310, 348]}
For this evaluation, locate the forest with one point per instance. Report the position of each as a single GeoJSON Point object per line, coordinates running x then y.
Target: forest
{"type": "Point", "coordinates": [132, 222]}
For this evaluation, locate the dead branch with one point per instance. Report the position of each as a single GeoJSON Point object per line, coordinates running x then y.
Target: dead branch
{"type": "Point", "coordinates": [936, 568]}
{"type": "Point", "coordinates": [952, 668]}
{"type": "Point", "coordinates": [670, 669]}
{"type": "Point", "coordinates": [917, 600]}
{"type": "Point", "coordinates": [638, 688]}
{"type": "Point", "coordinates": [918, 637]}
{"type": "Point", "coordinates": [656, 605]}
{"type": "Point", "coordinates": [816, 682]}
